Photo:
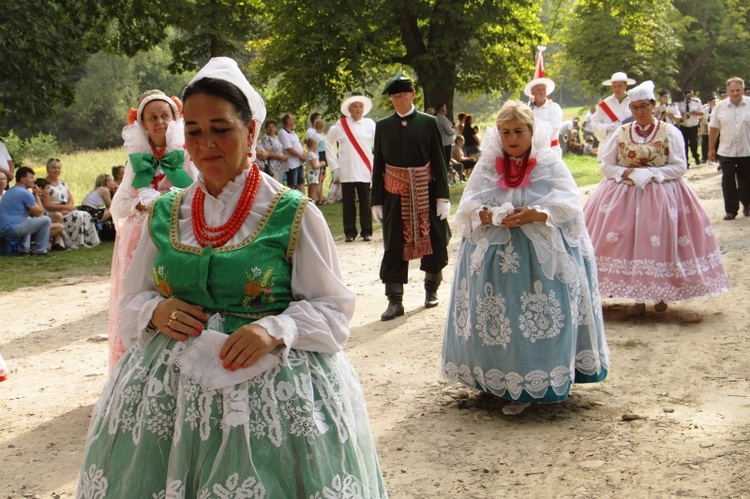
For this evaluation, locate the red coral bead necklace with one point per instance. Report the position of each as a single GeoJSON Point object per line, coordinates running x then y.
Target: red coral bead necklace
{"type": "Point", "coordinates": [218, 236]}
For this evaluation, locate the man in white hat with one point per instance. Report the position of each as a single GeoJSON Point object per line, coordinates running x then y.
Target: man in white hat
{"type": "Point", "coordinates": [355, 135]}
{"type": "Point", "coordinates": [615, 109]}
{"type": "Point", "coordinates": [544, 109]}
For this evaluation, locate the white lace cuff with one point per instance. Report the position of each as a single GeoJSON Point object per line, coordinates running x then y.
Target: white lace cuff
{"type": "Point", "coordinates": [144, 318]}
{"type": "Point", "coordinates": [539, 209]}
{"type": "Point", "coordinates": [281, 327]}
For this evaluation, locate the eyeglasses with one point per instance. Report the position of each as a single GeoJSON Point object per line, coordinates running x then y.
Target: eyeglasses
{"type": "Point", "coordinates": [642, 107]}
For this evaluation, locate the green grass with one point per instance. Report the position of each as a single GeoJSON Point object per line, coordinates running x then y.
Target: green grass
{"type": "Point", "coordinates": [20, 271]}
{"type": "Point", "coordinates": [80, 171]}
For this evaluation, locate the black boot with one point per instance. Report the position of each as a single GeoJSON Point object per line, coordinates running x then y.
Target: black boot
{"type": "Point", "coordinates": [395, 293]}
{"type": "Point", "coordinates": [431, 285]}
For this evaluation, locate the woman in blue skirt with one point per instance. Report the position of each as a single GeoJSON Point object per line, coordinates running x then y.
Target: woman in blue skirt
{"type": "Point", "coordinates": [525, 318]}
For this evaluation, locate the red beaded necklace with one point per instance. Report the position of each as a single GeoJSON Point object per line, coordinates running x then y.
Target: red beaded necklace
{"type": "Point", "coordinates": [225, 232]}
{"type": "Point", "coordinates": [158, 154]}
{"type": "Point", "coordinates": [645, 132]}
{"type": "Point", "coordinates": [514, 180]}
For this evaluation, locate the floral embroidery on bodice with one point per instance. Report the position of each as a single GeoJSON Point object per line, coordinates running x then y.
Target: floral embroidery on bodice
{"type": "Point", "coordinates": [653, 153]}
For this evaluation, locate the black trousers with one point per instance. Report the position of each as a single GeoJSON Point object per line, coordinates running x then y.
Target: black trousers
{"type": "Point", "coordinates": [362, 190]}
{"type": "Point", "coordinates": [393, 268]}
{"type": "Point", "coordinates": [690, 134]}
{"type": "Point", "coordinates": [735, 182]}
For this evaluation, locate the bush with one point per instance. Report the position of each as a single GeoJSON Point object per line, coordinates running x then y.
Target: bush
{"type": "Point", "coordinates": [34, 150]}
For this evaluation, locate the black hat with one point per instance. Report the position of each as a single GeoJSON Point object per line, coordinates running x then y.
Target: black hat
{"type": "Point", "coordinates": [687, 91]}
{"type": "Point", "coordinates": [722, 91]}
{"type": "Point", "coordinates": [663, 92]}
{"type": "Point", "coordinates": [397, 84]}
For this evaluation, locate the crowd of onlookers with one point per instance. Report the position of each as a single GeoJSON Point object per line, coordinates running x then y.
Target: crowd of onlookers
{"type": "Point", "coordinates": [38, 215]}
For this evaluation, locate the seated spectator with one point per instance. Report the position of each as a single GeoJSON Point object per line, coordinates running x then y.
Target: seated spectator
{"type": "Point", "coordinates": [462, 163]}
{"type": "Point", "coordinates": [569, 133]}
{"type": "Point", "coordinates": [56, 217]}
{"type": "Point", "coordinates": [22, 214]}
{"type": "Point", "coordinates": [6, 162]}
{"type": "Point", "coordinates": [117, 173]}
{"type": "Point", "coordinates": [97, 202]}
{"type": "Point", "coordinates": [4, 181]}
{"type": "Point", "coordinates": [79, 227]}
{"type": "Point", "coordinates": [590, 148]}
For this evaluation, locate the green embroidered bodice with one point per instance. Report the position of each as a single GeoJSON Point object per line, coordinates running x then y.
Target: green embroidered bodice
{"type": "Point", "coordinates": [244, 281]}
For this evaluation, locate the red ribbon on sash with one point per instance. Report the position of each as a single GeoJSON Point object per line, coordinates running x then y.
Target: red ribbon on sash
{"type": "Point", "coordinates": [608, 111]}
{"type": "Point", "coordinates": [554, 143]}
{"type": "Point", "coordinates": [355, 144]}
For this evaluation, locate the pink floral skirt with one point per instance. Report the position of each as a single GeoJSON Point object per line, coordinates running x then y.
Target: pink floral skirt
{"type": "Point", "coordinates": [653, 244]}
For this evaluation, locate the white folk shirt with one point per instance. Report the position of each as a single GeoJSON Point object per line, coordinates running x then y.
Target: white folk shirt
{"type": "Point", "coordinates": [688, 120]}
{"type": "Point", "coordinates": [551, 113]}
{"type": "Point", "coordinates": [603, 125]}
{"type": "Point", "coordinates": [734, 124]}
{"type": "Point", "coordinates": [347, 162]}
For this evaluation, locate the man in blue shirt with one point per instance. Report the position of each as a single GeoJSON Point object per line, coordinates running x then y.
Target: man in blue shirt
{"type": "Point", "coordinates": [16, 206]}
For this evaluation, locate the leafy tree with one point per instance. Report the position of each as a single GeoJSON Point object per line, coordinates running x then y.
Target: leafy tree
{"type": "Point", "coordinates": [635, 36]}
{"type": "Point", "coordinates": [320, 51]}
{"type": "Point", "coordinates": [714, 35]}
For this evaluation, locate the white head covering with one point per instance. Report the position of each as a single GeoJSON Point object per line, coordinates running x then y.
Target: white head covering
{"type": "Point", "coordinates": [356, 98]}
{"type": "Point", "coordinates": [176, 110]}
{"type": "Point", "coordinates": [644, 91]}
{"type": "Point", "coordinates": [619, 76]}
{"type": "Point", "coordinates": [224, 68]}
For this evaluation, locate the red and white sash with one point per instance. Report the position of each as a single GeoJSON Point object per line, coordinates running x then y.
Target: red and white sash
{"type": "Point", "coordinates": [608, 111]}
{"type": "Point", "coordinates": [355, 144]}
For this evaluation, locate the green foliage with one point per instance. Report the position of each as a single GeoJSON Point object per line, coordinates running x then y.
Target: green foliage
{"type": "Point", "coordinates": [634, 36]}
{"type": "Point", "coordinates": [34, 150]}
{"type": "Point", "coordinates": [322, 51]}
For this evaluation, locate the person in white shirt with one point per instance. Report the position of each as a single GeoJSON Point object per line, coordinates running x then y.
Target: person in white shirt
{"type": "Point", "coordinates": [665, 111]}
{"type": "Point", "coordinates": [544, 109]}
{"type": "Point", "coordinates": [692, 111]}
{"type": "Point", "coordinates": [614, 110]}
{"type": "Point", "coordinates": [352, 163]}
{"type": "Point", "coordinates": [731, 118]}
{"type": "Point", "coordinates": [295, 173]}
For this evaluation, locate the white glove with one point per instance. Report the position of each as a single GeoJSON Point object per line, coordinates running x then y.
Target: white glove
{"type": "Point", "coordinates": [443, 208]}
{"type": "Point", "coordinates": [377, 213]}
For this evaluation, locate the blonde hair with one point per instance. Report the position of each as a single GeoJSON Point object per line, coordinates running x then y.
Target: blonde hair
{"type": "Point", "coordinates": [319, 125]}
{"type": "Point", "coordinates": [514, 109]}
{"type": "Point", "coordinates": [101, 180]}
{"type": "Point", "coordinates": [311, 142]}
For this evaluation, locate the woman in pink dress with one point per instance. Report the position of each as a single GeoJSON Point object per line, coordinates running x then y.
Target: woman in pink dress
{"type": "Point", "coordinates": [652, 239]}
{"type": "Point", "coordinates": [157, 163]}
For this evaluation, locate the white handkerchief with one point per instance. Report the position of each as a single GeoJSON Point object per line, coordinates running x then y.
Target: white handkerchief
{"type": "Point", "coordinates": [201, 362]}
{"type": "Point", "coordinates": [640, 176]}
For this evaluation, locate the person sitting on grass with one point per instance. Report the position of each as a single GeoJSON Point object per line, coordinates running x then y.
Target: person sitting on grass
{"type": "Point", "coordinates": [22, 214]}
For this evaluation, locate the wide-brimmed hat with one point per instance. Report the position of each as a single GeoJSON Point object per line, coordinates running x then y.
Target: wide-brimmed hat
{"type": "Point", "coordinates": [539, 81]}
{"type": "Point", "coordinates": [351, 100]}
{"type": "Point", "coordinates": [619, 76]}
{"type": "Point", "coordinates": [539, 77]}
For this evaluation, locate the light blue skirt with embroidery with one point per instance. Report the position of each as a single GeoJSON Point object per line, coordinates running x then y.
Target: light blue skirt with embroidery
{"type": "Point", "coordinates": [518, 334]}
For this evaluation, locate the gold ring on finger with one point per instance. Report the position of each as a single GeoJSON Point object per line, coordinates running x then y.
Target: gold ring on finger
{"type": "Point", "coordinates": [169, 324]}
{"type": "Point", "coordinates": [173, 315]}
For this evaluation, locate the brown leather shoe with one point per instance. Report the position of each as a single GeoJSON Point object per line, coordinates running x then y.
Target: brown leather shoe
{"type": "Point", "coordinates": [730, 216]}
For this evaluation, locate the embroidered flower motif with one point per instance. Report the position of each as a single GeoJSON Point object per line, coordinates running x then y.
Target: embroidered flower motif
{"type": "Point", "coordinates": [658, 143]}
{"type": "Point", "coordinates": [160, 281]}
{"type": "Point", "coordinates": [655, 241]}
{"type": "Point", "coordinates": [509, 259]}
{"type": "Point", "coordinates": [613, 237]}
{"type": "Point", "coordinates": [93, 484]}
{"type": "Point", "coordinates": [683, 241]}
{"type": "Point", "coordinates": [621, 145]}
{"type": "Point", "coordinates": [542, 314]}
{"type": "Point", "coordinates": [258, 288]}
{"type": "Point", "coordinates": [631, 154]}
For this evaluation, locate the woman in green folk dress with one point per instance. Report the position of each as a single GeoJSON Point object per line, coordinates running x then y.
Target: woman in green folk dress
{"type": "Point", "coordinates": [235, 315]}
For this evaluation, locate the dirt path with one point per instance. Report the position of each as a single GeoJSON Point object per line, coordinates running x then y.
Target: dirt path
{"type": "Point", "coordinates": [682, 377]}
